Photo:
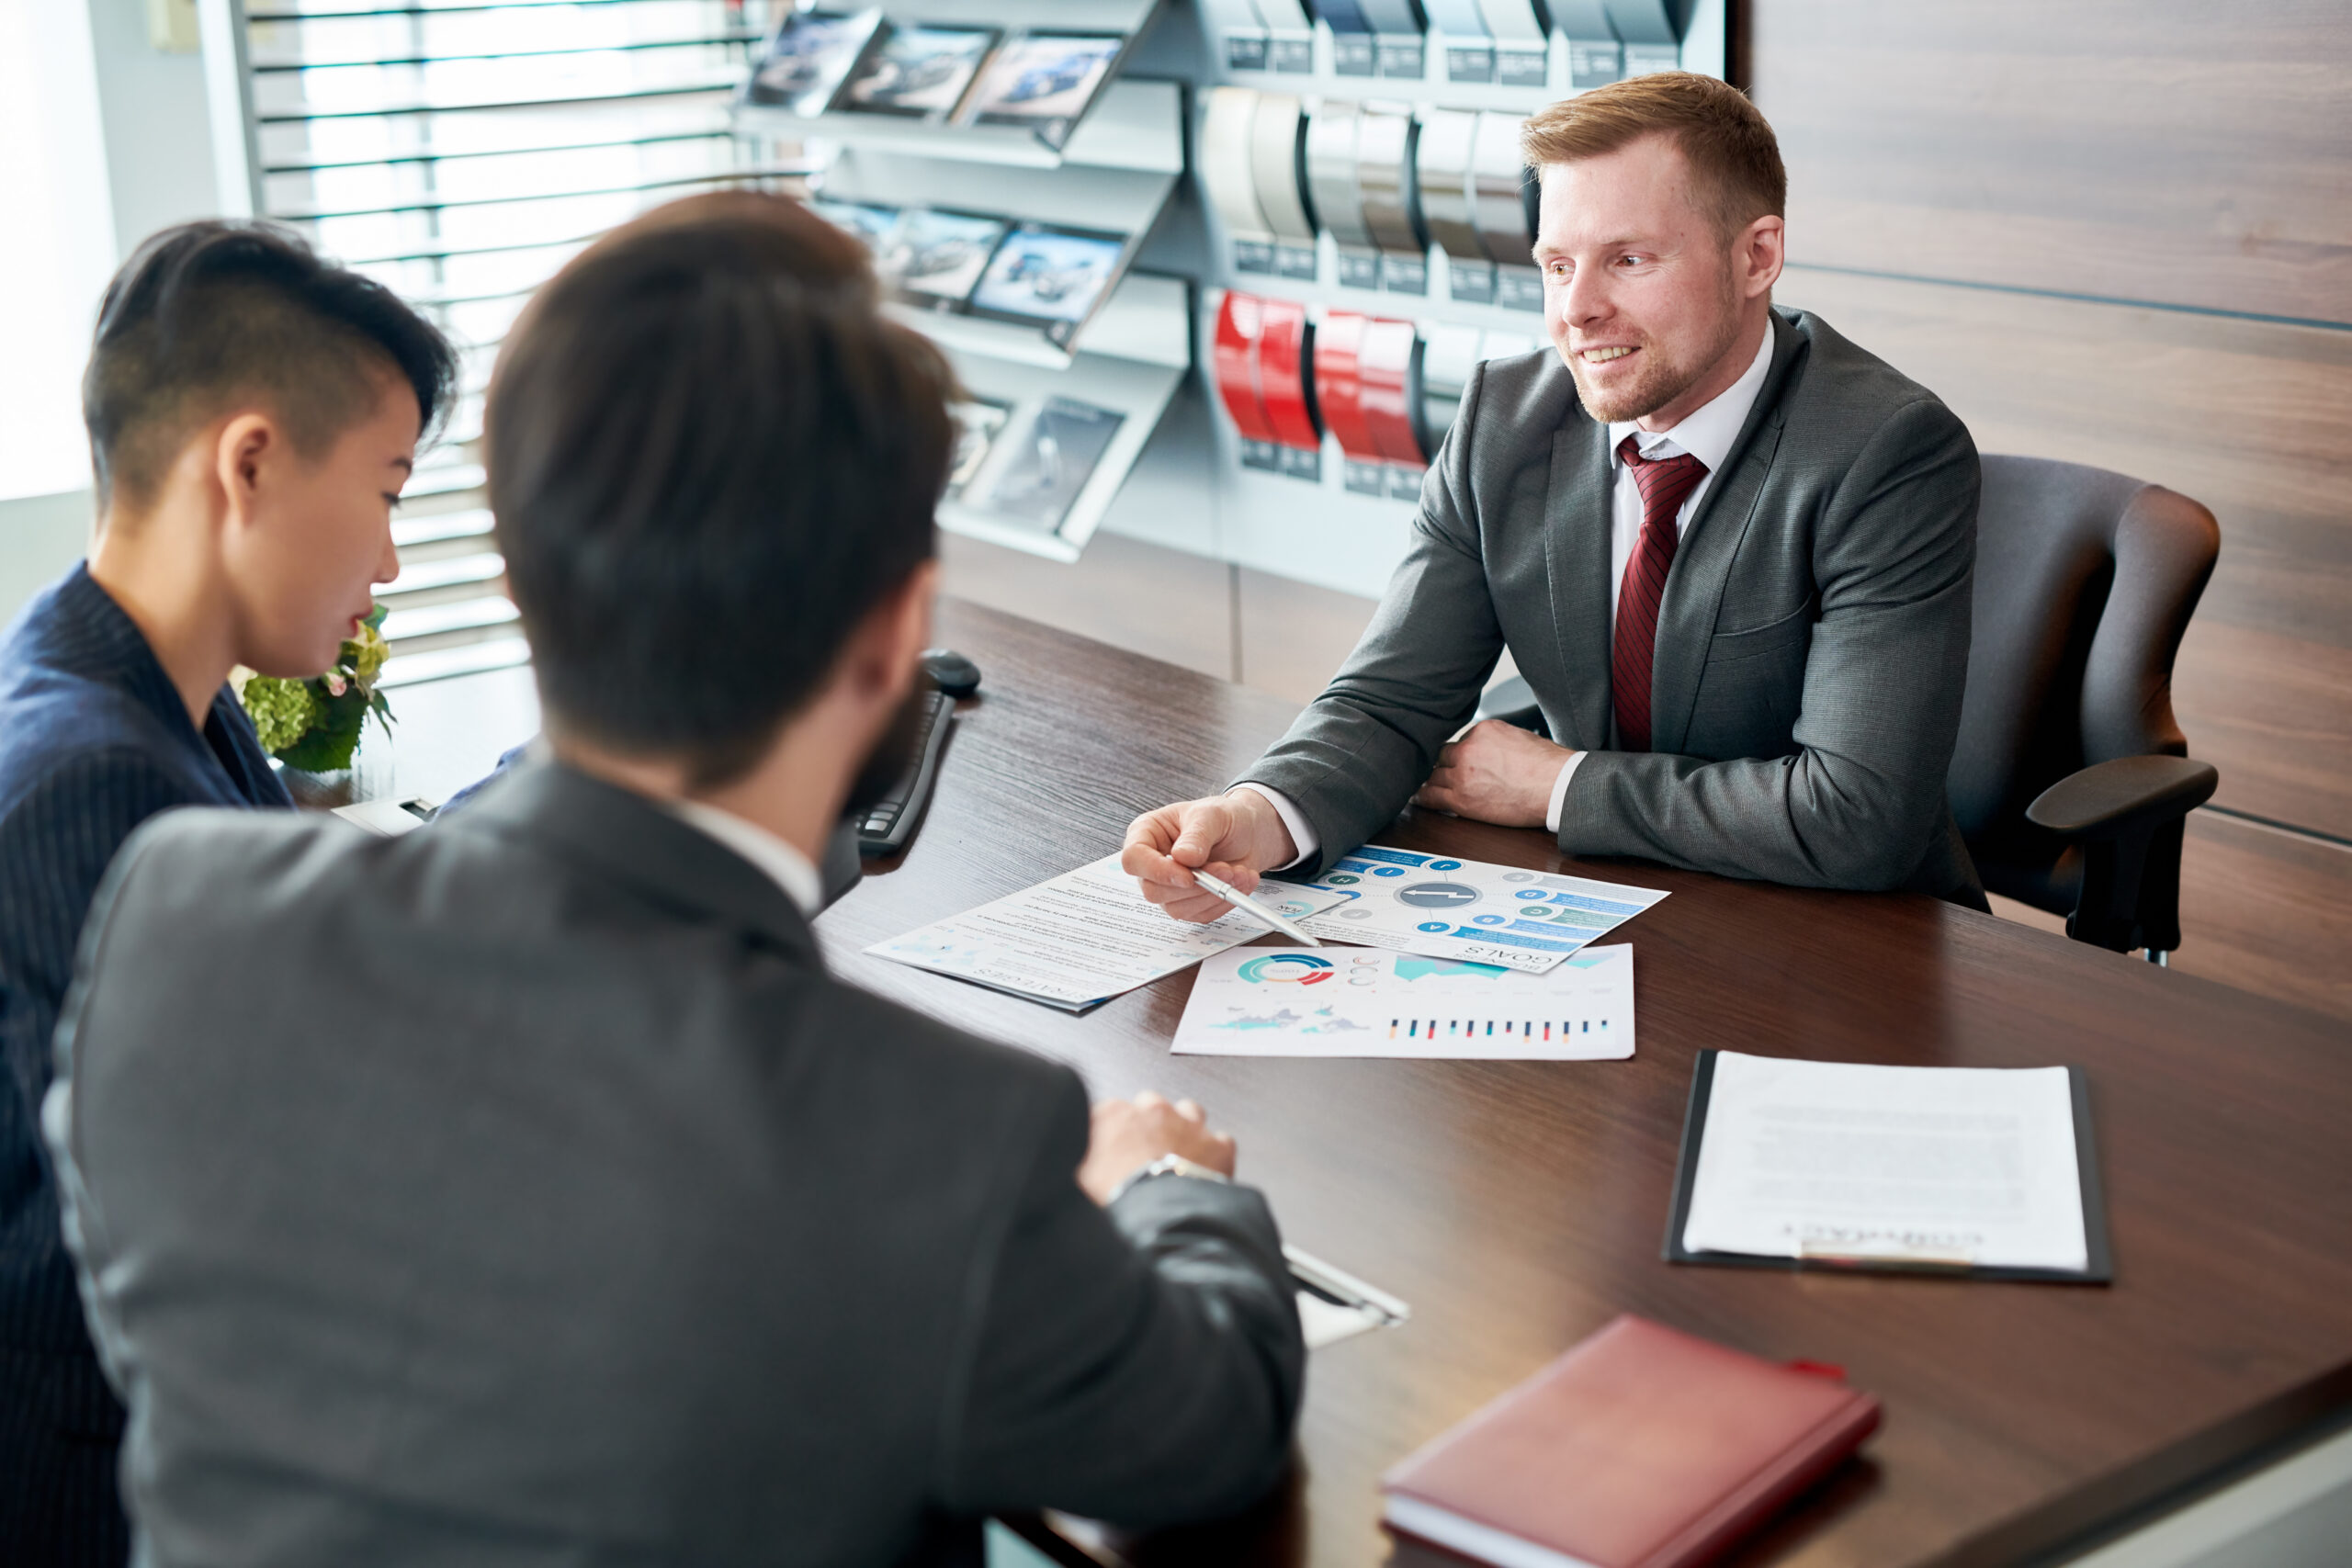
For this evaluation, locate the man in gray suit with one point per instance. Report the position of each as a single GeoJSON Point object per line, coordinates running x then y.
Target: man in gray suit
{"type": "Point", "coordinates": [1729, 551]}
{"type": "Point", "coordinates": [524, 1190]}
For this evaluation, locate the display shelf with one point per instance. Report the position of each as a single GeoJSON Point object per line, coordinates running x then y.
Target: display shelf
{"type": "Point", "coordinates": [1144, 319]}
{"type": "Point", "coordinates": [1134, 126]}
{"type": "Point", "coordinates": [1316, 529]}
{"type": "Point", "coordinates": [1125, 196]}
{"type": "Point", "coordinates": [1126, 200]}
{"type": "Point", "coordinates": [1191, 490]}
{"type": "Point", "coordinates": [1432, 85]}
{"type": "Point", "coordinates": [1131, 360]}
{"type": "Point", "coordinates": [1324, 291]}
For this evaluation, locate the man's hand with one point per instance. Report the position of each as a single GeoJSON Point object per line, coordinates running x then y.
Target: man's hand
{"type": "Point", "coordinates": [1233, 837]}
{"type": "Point", "coordinates": [1497, 772]}
{"type": "Point", "coordinates": [1130, 1133]}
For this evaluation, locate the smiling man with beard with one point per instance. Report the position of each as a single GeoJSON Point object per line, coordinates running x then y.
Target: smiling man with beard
{"type": "Point", "coordinates": [525, 1191]}
{"type": "Point", "coordinates": [1729, 550]}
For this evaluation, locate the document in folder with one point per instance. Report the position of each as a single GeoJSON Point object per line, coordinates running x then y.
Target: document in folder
{"type": "Point", "coordinates": [1989, 1170]}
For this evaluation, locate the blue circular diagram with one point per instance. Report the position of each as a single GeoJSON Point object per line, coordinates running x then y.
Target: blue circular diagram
{"type": "Point", "coordinates": [1530, 893]}
{"type": "Point", "coordinates": [1445, 865]}
{"type": "Point", "coordinates": [1388, 870]}
{"type": "Point", "coordinates": [1298, 967]}
{"type": "Point", "coordinates": [1433, 925]}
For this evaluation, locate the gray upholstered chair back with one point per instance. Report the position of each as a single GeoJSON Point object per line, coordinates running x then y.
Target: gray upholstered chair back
{"type": "Point", "coordinates": [2085, 583]}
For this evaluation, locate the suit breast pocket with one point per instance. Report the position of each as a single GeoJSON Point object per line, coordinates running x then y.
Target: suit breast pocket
{"type": "Point", "coordinates": [1752, 690]}
{"type": "Point", "coordinates": [1794, 629]}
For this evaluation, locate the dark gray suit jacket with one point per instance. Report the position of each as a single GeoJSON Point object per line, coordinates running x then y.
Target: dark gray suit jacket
{"type": "Point", "coordinates": [1812, 645]}
{"type": "Point", "coordinates": [523, 1191]}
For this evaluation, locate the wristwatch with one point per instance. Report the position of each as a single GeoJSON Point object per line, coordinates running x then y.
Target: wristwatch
{"type": "Point", "coordinates": [1169, 1165]}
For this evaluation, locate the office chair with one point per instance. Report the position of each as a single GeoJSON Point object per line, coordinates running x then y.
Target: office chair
{"type": "Point", "coordinates": [2071, 781]}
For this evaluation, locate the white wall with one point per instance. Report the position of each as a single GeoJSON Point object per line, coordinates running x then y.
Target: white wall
{"type": "Point", "coordinates": [40, 536]}
{"type": "Point", "coordinates": [53, 187]}
{"type": "Point", "coordinates": [104, 139]}
{"type": "Point", "coordinates": [158, 126]}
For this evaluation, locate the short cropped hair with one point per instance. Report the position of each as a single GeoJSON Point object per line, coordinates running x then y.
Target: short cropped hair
{"type": "Point", "coordinates": [205, 317]}
{"type": "Point", "coordinates": [710, 456]}
{"type": "Point", "coordinates": [1735, 159]}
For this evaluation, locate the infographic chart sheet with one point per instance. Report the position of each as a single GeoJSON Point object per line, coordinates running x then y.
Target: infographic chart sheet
{"type": "Point", "coordinates": [1342, 1001]}
{"type": "Point", "coordinates": [1470, 909]}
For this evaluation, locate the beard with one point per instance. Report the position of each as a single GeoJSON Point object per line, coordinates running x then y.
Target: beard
{"type": "Point", "coordinates": [1662, 378]}
{"type": "Point", "coordinates": [893, 754]}
{"type": "Point", "coordinates": [1660, 382]}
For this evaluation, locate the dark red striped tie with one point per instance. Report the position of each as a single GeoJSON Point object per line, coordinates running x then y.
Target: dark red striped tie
{"type": "Point", "coordinates": [1667, 483]}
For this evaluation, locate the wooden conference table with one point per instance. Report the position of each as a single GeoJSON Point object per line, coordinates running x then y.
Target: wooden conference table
{"type": "Point", "coordinates": [1517, 1206]}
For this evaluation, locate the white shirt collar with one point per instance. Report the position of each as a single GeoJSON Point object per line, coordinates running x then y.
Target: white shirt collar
{"type": "Point", "coordinates": [785, 866]}
{"type": "Point", "coordinates": [1707, 433]}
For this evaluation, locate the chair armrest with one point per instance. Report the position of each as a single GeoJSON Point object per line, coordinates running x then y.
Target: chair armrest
{"type": "Point", "coordinates": [1513, 702]}
{"type": "Point", "coordinates": [2110, 799]}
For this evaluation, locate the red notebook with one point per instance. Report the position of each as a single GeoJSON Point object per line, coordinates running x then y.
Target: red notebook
{"type": "Point", "coordinates": [1642, 1448]}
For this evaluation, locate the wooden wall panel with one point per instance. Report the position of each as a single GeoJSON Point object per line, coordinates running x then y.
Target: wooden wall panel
{"type": "Point", "coordinates": [2251, 418]}
{"type": "Point", "coordinates": [2158, 150]}
{"type": "Point", "coordinates": [2267, 911]}
{"type": "Point", "coordinates": [2262, 909]}
{"type": "Point", "coordinates": [2120, 233]}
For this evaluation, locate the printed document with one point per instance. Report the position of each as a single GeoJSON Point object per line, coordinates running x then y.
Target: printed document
{"type": "Point", "coordinates": [1469, 909]}
{"type": "Point", "coordinates": [1959, 1164]}
{"type": "Point", "coordinates": [1085, 936]}
{"type": "Point", "coordinates": [1353, 1002]}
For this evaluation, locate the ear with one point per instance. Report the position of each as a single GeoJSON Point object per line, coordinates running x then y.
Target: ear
{"type": "Point", "coordinates": [1763, 250]}
{"type": "Point", "coordinates": [896, 633]}
{"type": "Point", "coordinates": [242, 452]}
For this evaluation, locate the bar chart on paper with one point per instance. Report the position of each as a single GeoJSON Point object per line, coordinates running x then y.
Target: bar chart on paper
{"type": "Point", "coordinates": [1339, 1001]}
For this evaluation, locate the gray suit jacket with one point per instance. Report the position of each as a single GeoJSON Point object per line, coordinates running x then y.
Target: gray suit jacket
{"type": "Point", "coordinates": [523, 1191]}
{"type": "Point", "coordinates": [1812, 645]}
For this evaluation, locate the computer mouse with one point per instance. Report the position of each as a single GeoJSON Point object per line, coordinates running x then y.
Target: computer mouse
{"type": "Point", "coordinates": [951, 672]}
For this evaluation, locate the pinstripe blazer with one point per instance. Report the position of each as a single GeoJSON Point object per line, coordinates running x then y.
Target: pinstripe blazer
{"type": "Point", "coordinates": [94, 741]}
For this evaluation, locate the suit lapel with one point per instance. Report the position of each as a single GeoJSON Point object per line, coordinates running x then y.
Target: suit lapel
{"type": "Point", "coordinates": [1575, 542]}
{"type": "Point", "coordinates": [1694, 587]}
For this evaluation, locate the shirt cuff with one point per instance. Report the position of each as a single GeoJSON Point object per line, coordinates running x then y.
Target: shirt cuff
{"type": "Point", "coordinates": [1301, 836]}
{"type": "Point", "coordinates": [1560, 792]}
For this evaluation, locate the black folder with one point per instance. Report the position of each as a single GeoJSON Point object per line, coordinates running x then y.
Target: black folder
{"type": "Point", "coordinates": [2099, 1268]}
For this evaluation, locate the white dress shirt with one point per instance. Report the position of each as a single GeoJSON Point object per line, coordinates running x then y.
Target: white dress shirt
{"type": "Point", "coordinates": [785, 866]}
{"type": "Point", "coordinates": [1707, 434]}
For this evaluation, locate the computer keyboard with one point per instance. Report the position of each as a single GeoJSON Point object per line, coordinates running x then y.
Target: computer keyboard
{"type": "Point", "coordinates": [892, 822]}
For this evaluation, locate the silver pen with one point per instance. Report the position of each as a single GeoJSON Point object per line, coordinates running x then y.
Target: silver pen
{"type": "Point", "coordinates": [1250, 906]}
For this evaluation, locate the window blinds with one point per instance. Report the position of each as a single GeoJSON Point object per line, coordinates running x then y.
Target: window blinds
{"type": "Point", "coordinates": [460, 153]}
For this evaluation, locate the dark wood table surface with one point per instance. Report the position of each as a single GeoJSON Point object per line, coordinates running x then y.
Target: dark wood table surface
{"type": "Point", "coordinates": [1520, 1205]}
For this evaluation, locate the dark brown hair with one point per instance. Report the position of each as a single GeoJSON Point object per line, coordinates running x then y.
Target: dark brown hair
{"type": "Point", "coordinates": [1735, 159]}
{"type": "Point", "coordinates": [709, 455]}
{"type": "Point", "coordinates": [206, 315]}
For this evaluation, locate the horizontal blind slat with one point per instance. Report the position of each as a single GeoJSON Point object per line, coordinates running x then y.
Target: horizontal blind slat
{"type": "Point", "coordinates": [428, 204]}
{"type": "Point", "coordinates": [718, 131]}
{"type": "Point", "coordinates": [417, 61]}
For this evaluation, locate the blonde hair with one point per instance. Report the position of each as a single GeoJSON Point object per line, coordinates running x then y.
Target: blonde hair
{"type": "Point", "coordinates": [1736, 168]}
